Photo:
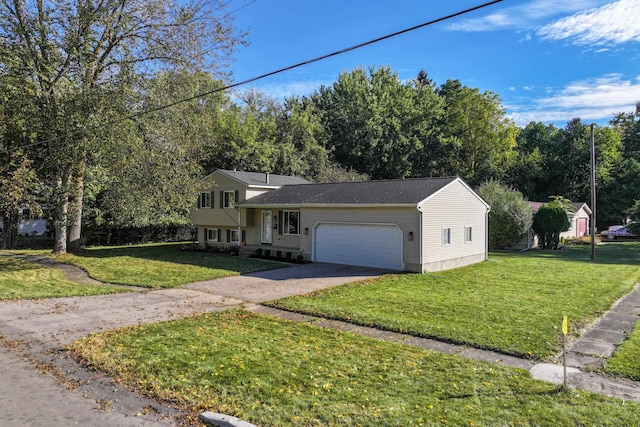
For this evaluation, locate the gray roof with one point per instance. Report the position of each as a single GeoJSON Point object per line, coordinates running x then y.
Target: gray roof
{"type": "Point", "coordinates": [260, 178]}
{"type": "Point", "coordinates": [383, 192]}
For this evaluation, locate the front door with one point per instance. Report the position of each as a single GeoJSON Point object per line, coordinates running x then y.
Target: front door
{"type": "Point", "coordinates": [267, 227]}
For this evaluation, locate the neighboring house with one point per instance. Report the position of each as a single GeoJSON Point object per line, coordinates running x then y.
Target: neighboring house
{"type": "Point", "coordinates": [29, 226]}
{"type": "Point", "coordinates": [579, 221]}
{"type": "Point", "coordinates": [417, 225]}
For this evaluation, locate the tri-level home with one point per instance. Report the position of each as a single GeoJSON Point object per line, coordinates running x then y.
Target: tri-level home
{"type": "Point", "coordinates": [418, 225]}
{"type": "Point", "coordinates": [219, 219]}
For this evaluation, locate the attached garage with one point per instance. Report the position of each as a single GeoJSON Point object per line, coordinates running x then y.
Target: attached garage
{"type": "Point", "coordinates": [369, 245]}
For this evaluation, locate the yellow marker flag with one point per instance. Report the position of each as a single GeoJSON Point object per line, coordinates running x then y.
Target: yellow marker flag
{"type": "Point", "coordinates": [565, 325]}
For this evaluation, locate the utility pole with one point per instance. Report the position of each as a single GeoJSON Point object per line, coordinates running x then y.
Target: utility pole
{"type": "Point", "coordinates": [593, 194]}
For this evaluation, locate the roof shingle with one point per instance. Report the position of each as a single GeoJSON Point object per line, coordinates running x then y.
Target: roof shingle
{"type": "Point", "coordinates": [383, 192]}
{"type": "Point", "coordinates": [260, 179]}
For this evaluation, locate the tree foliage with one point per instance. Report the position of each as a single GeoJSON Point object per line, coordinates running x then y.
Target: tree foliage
{"type": "Point", "coordinates": [551, 220]}
{"type": "Point", "coordinates": [74, 53]}
{"type": "Point", "coordinates": [510, 216]}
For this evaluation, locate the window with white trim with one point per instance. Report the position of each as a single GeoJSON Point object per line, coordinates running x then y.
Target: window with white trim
{"type": "Point", "coordinates": [446, 236]}
{"type": "Point", "coordinates": [291, 222]}
{"type": "Point", "coordinates": [212, 234]}
{"type": "Point", "coordinates": [468, 234]}
{"type": "Point", "coordinates": [233, 236]}
{"type": "Point", "coordinates": [205, 199]}
{"type": "Point", "coordinates": [229, 199]}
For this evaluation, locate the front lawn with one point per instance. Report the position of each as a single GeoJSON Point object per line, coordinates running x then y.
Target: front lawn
{"type": "Point", "coordinates": [273, 372]}
{"type": "Point", "coordinates": [513, 303]}
{"type": "Point", "coordinates": [21, 279]}
{"type": "Point", "coordinates": [160, 265]}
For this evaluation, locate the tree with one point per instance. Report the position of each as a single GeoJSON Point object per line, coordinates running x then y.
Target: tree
{"type": "Point", "coordinates": [370, 118]}
{"type": "Point", "coordinates": [634, 214]}
{"type": "Point", "coordinates": [510, 216]}
{"type": "Point", "coordinates": [71, 51]}
{"type": "Point", "coordinates": [551, 220]}
{"type": "Point", "coordinates": [475, 128]}
{"type": "Point", "coordinates": [18, 188]}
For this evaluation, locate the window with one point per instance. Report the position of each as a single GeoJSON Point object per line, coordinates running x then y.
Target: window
{"type": "Point", "coordinates": [205, 200]}
{"type": "Point", "coordinates": [212, 234]}
{"type": "Point", "coordinates": [468, 234]}
{"type": "Point", "coordinates": [446, 236]}
{"type": "Point", "coordinates": [229, 199]}
{"type": "Point", "coordinates": [291, 224]}
{"type": "Point", "coordinates": [233, 236]}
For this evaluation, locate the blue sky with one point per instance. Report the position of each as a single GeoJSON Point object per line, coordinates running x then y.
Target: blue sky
{"type": "Point", "coordinates": [549, 60]}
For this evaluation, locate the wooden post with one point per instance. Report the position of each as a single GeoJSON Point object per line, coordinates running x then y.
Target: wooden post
{"type": "Point", "coordinates": [593, 194]}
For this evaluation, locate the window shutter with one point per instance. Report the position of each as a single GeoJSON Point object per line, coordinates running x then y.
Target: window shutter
{"type": "Point", "coordinates": [213, 199]}
{"type": "Point", "coordinates": [206, 234]}
{"type": "Point", "coordinates": [219, 236]}
{"type": "Point", "coordinates": [199, 197]}
{"type": "Point", "coordinates": [280, 221]}
{"type": "Point", "coordinates": [221, 199]}
{"type": "Point", "coordinates": [228, 236]}
{"type": "Point", "coordinates": [236, 194]}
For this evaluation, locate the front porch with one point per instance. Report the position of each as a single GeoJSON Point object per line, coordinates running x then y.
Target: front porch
{"type": "Point", "coordinates": [270, 251]}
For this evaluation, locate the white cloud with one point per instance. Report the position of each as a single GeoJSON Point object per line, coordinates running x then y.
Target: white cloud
{"type": "Point", "coordinates": [597, 99]}
{"type": "Point", "coordinates": [614, 23]}
{"type": "Point", "coordinates": [527, 14]}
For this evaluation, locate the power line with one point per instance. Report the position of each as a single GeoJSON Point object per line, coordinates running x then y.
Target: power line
{"type": "Point", "coordinates": [260, 77]}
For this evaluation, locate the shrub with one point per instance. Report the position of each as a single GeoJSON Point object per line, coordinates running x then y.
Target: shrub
{"type": "Point", "coordinates": [550, 220]}
{"type": "Point", "coordinates": [510, 215]}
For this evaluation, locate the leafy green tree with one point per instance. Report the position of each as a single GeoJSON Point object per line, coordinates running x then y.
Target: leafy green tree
{"type": "Point", "coordinates": [634, 214]}
{"type": "Point", "coordinates": [481, 138]}
{"type": "Point", "coordinates": [72, 51]}
{"type": "Point", "coordinates": [153, 179]}
{"type": "Point", "coordinates": [510, 216]}
{"type": "Point", "coordinates": [551, 220]}
{"type": "Point", "coordinates": [18, 189]}
{"type": "Point", "coordinates": [369, 117]}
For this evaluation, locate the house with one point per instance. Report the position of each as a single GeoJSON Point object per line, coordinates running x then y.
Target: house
{"type": "Point", "coordinates": [416, 225]}
{"type": "Point", "coordinates": [579, 221]}
{"type": "Point", "coordinates": [220, 222]}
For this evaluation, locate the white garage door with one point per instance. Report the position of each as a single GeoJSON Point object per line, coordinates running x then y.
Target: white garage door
{"type": "Point", "coordinates": [370, 245]}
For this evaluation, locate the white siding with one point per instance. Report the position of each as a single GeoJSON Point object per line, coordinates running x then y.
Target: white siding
{"type": "Point", "coordinates": [454, 207]}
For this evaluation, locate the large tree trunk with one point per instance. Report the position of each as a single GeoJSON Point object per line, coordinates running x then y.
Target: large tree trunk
{"type": "Point", "coordinates": [62, 210]}
{"type": "Point", "coordinates": [75, 226]}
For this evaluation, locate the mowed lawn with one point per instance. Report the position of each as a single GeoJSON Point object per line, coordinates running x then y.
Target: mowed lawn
{"type": "Point", "coordinates": [513, 303]}
{"type": "Point", "coordinates": [160, 265]}
{"type": "Point", "coordinates": [20, 279]}
{"type": "Point", "coordinates": [274, 372]}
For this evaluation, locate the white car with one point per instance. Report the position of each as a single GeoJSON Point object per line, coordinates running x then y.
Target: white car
{"type": "Point", "coordinates": [618, 231]}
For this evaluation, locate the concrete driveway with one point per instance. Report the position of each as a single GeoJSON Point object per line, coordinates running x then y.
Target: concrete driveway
{"type": "Point", "coordinates": [284, 282]}
{"type": "Point", "coordinates": [42, 328]}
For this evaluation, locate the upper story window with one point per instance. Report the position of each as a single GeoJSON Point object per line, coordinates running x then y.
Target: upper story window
{"type": "Point", "coordinates": [229, 199]}
{"type": "Point", "coordinates": [291, 222]}
{"type": "Point", "coordinates": [205, 200]}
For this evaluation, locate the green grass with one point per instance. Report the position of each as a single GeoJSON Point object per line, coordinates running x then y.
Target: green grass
{"type": "Point", "coordinates": [513, 303]}
{"type": "Point", "coordinates": [159, 265]}
{"type": "Point", "coordinates": [277, 373]}
{"type": "Point", "coordinates": [21, 279]}
{"type": "Point", "coordinates": [626, 360]}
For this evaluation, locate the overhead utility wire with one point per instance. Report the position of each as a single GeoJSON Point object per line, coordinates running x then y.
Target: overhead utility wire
{"type": "Point", "coordinates": [260, 77]}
